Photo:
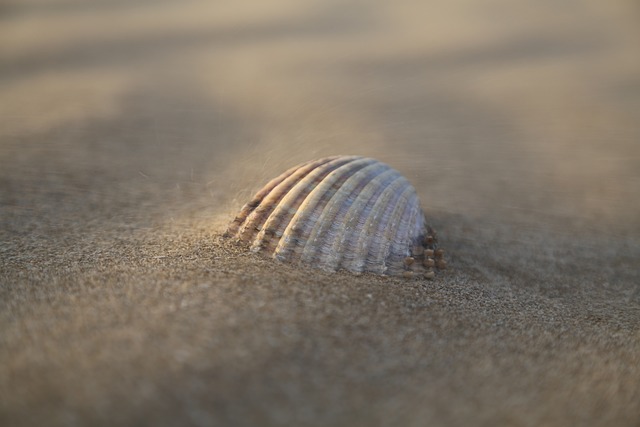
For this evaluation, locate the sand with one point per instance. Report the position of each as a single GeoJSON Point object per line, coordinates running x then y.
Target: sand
{"type": "Point", "coordinates": [132, 131]}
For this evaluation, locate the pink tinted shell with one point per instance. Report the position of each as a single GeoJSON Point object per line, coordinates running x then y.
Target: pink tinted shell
{"type": "Point", "coordinates": [343, 212]}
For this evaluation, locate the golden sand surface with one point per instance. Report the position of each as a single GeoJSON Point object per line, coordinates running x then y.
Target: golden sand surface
{"type": "Point", "coordinates": [132, 131]}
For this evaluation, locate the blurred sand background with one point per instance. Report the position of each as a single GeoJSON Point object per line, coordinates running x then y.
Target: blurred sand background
{"type": "Point", "coordinates": [132, 131]}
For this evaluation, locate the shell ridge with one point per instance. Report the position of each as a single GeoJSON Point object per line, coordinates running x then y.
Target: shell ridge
{"type": "Point", "coordinates": [260, 214]}
{"type": "Point", "coordinates": [400, 247]}
{"type": "Point", "coordinates": [334, 208]}
{"type": "Point", "coordinates": [330, 186]}
{"type": "Point", "coordinates": [336, 186]}
{"type": "Point", "coordinates": [257, 199]}
{"type": "Point", "coordinates": [351, 238]}
{"type": "Point", "coordinates": [272, 230]}
{"type": "Point", "coordinates": [386, 229]}
{"type": "Point", "coordinates": [320, 241]}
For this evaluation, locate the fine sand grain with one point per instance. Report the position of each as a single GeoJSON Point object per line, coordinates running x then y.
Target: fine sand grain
{"type": "Point", "coordinates": [132, 131]}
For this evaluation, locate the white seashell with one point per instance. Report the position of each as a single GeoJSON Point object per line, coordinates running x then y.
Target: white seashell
{"type": "Point", "coordinates": [342, 212]}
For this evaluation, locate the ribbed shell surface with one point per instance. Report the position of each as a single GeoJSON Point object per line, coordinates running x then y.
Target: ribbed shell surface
{"type": "Point", "coordinates": [343, 212]}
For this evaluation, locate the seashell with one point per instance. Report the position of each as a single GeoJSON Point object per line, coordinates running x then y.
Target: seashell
{"type": "Point", "coordinates": [342, 212]}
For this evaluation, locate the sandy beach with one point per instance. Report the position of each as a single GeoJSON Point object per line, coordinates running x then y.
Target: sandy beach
{"type": "Point", "coordinates": [131, 132]}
